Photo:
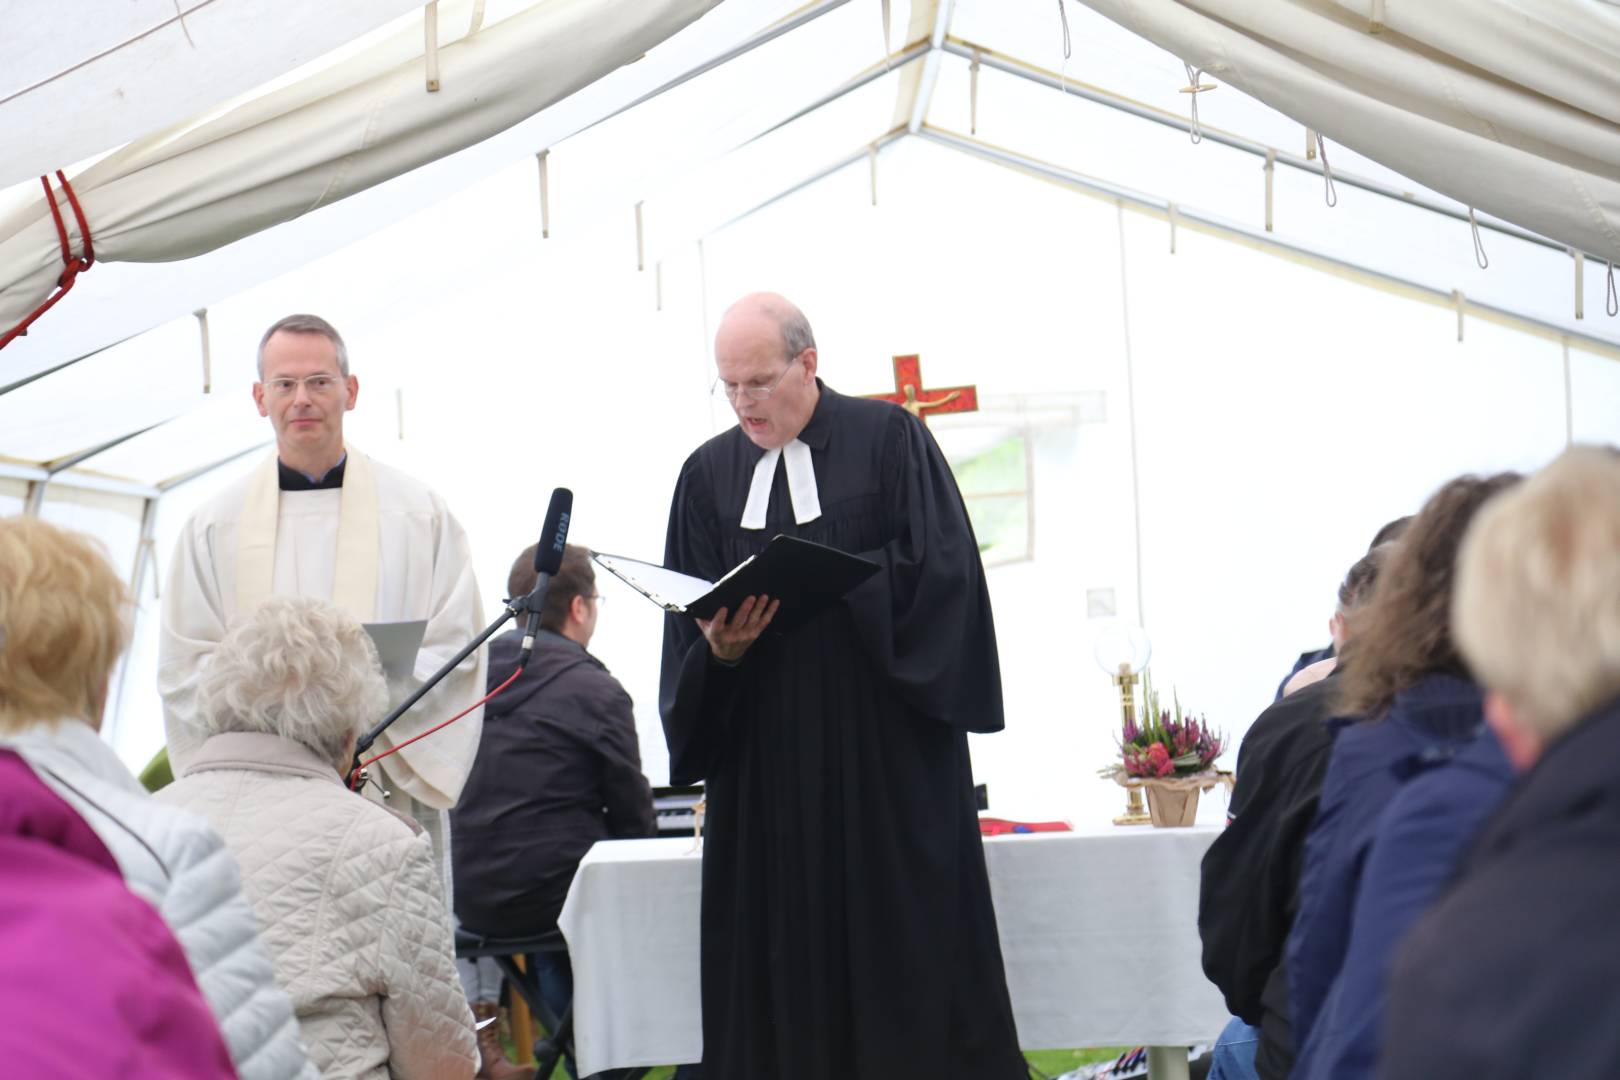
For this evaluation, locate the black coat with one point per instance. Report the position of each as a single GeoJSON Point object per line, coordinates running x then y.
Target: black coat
{"type": "Point", "coordinates": [1513, 973]}
{"type": "Point", "coordinates": [1249, 883]}
{"type": "Point", "coordinates": [847, 922]}
{"type": "Point", "coordinates": [558, 768]}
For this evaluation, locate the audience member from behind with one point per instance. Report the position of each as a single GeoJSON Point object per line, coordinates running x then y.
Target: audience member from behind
{"type": "Point", "coordinates": [71, 932]}
{"type": "Point", "coordinates": [62, 627]}
{"type": "Point", "coordinates": [1313, 665]}
{"type": "Point", "coordinates": [347, 890]}
{"type": "Point", "coordinates": [1249, 886]}
{"type": "Point", "coordinates": [558, 768]}
{"type": "Point", "coordinates": [1513, 972]}
{"type": "Point", "coordinates": [1404, 679]}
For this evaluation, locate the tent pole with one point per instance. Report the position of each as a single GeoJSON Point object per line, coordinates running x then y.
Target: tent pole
{"type": "Point", "coordinates": [145, 553]}
{"type": "Point", "coordinates": [1130, 413]}
{"type": "Point", "coordinates": [1154, 206]}
{"type": "Point", "coordinates": [809, 14]}
{"type": "Point", "coordinates": [970, 52]}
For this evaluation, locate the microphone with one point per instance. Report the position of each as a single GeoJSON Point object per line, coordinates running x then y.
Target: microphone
{"type": "Point", "coordinates": [548, 554]}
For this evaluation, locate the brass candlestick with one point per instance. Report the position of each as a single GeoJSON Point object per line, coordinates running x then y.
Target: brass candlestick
{"type": "Point", "coordinates": [1135, 812]}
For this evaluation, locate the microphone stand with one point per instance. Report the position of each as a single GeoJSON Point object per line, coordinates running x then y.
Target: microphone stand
{"type": "Point", "coordinates": [514, 608]}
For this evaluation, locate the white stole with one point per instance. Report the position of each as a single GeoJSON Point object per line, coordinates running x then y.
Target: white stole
{"type": "Point", "coordinates": [801, 477]}
{"type": "Point", "coordinates": [354, 583]}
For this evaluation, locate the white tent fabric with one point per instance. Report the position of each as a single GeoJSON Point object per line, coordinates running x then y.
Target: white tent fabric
{"type": "Point", "coordinates": [1509, 106]}
{"type": "Point", "coordinates": [121, 70]}
{"type": "Point", "coordinates": [192, 189]}
{"type": "Point", "coordinates": [1262, 389]}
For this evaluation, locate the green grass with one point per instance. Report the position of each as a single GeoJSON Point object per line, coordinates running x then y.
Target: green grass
{"type": "Point", "coordinates": [1049, 1062]}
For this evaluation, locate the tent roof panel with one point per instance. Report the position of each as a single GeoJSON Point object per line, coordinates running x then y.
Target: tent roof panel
{"type": "Point", "coordinates": [130, 68]}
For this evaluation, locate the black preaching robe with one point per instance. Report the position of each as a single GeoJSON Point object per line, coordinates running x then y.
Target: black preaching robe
{"type": "Point", "coordinates": [847, 923]}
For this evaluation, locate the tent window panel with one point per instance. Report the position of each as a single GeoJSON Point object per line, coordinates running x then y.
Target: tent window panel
{"type": "Point", "coordinates": [995, 486]}
{"type": "Point", "coordinates": [114, 521]}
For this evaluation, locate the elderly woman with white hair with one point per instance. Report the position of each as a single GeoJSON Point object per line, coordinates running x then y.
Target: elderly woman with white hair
{"type": "Point", "coordinates": [346, 890]}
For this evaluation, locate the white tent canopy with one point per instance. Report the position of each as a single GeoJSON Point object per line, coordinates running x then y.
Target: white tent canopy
{"type": "Point", "coordinates": [1189, 419]}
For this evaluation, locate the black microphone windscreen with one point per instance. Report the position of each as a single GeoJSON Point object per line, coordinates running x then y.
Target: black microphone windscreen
{"type": "Point", "coordinates": [548, 553]}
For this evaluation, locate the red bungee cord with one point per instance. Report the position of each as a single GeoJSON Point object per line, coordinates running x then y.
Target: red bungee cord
{"type": "Point", "coordinates": [72, 265]}
{"type": "Point", "coordinates": [354, 777]}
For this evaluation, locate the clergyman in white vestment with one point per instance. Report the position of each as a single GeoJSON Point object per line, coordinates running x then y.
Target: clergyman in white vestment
{"type": "Point", "coordinates": [318, 518]}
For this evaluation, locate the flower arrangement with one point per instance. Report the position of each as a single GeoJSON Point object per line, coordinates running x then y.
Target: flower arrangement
{"type": "Point", "coordinates": [1169, 742]}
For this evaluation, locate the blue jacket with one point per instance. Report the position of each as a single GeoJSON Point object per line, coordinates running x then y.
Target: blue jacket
{"type": "Point", "coordinates": [1370, 762]}
{"type": "Point", "coordinates": [1420, 841]}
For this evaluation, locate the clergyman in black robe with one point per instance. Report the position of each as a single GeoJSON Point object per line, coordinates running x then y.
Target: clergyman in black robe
{"type": "Point", "coordinates": [847, 923]}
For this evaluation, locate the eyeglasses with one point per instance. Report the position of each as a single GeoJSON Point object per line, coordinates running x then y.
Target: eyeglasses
{"type": "Point", "coordinates": [597, 598]}
{"type": "Point", "coordinates": [753, 393]}
{"type": "Point", "coordinates": [317, 385]}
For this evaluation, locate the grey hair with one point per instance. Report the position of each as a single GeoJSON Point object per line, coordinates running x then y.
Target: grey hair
{"type": "Point", "coordinates": [796, 333]}
{"type": "Point", "coordinates": [298, 668]}
{"type": "Point", "coordinates": [307, 324]}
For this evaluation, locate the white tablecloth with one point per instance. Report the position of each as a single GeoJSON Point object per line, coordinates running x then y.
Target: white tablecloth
{"type": "Point", "coordinates": [1098, 929]}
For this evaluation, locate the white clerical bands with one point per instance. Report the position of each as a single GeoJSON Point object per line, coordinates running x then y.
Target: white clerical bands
{"type": "Point", "coordinates": [801, 477]}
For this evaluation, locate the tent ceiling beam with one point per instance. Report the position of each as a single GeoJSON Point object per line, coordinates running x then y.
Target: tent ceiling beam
{"type": "Point", "coordinates": [80, 481]}
{"type": "Point", "coordinates": [173, 482]}
{"type": "Point", "coordinates": [872, 74]}
{"type": "Point", "coordinates": [1156, 207]}
{"type": "Point", "coordinates": [1007, 65]}
{"type": "Point", "coordinates": [923, 95]}
{"type": "Point", "coordinates": [62, 464]}
{"type": "Point", "coordinates": [807, 14]}
{"type": "Point", "coordinates": [845, 162]}
{"type": "Point", "coordinates": [53, 369]}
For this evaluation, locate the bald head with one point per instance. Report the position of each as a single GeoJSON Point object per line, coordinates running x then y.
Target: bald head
{"type": "Point", "coordinates": [763, 313]}
{"type": "Point", "coordinates": [764, 346]}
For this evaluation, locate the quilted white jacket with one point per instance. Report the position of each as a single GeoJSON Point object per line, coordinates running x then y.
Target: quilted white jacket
{"type": "Point", "coordinates": [349, 897]}
{"type": "Point", "coordinates": [176, 863]}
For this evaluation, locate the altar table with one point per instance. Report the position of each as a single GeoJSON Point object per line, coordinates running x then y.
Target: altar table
{"type": "Point", "coordinates": [1098, 931]}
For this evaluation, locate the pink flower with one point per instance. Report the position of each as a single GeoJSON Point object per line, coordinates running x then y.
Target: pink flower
{"type": "Point", "coordinates": [1158, 760]}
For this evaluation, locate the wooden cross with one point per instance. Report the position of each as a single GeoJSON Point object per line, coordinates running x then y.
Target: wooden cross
{"type": "Point", "coordinates": [910, 395]}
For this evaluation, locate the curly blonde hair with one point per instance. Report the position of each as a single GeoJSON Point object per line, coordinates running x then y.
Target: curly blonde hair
{"type": "Point", "coordinates": [64, 620]}
{"type": "Point", "coordinates": [298, 668]}
{"type": "Point", "coordinates": [1404, 632]}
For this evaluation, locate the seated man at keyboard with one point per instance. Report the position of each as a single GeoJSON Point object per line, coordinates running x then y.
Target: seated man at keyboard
{"type": "Point", "coordinates": [558, 768]}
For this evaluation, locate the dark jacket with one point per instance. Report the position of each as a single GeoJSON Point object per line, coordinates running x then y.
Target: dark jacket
{"type": "Point", "coordinates": [1420, 840]}
{"type": "Point", "coordinates": [1306, 659]}
{"type": "Point", "coordinates": [1369, 763]}
{"type": "Point", "coordinates": [558, 768]}
{"type": "Point", "coordinates": [1513, 972]}
{"type": "Point", "coordinates": [1249, 883]}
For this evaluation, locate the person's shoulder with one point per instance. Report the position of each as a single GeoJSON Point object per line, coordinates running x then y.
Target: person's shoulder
{"type": "Point", "coordinates": [865, 410]}
{"type": "Point", "coordinates": [1300, 715]}
{"type": "Point", "coordinates": [402, 491]}
{"type": "Point", "coordinates": [224, 506]}
{"type": "Point", "coordinates": [712, 449]}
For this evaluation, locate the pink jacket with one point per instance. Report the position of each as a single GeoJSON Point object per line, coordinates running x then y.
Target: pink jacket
{"type": "Point", "coordinates": [80, 953]}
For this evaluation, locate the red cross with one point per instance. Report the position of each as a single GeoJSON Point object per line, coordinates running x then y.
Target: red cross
{"type": "Point", "coordinates": [910, 395]}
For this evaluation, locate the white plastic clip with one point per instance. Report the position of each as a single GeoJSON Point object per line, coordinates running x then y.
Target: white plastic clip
{"type": "Point", "coordinates": [207, 351]}
{"type": "Point", "coordinates": [430, 45]}
{"type": "Point", "coordinates": [1271, 177]}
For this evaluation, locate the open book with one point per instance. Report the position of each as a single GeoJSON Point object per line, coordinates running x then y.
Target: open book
{"type": "Point", "coordinates": [806, 577]}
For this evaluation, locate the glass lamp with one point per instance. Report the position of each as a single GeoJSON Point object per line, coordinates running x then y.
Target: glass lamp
{"type": "Point", "coordinates": [1123, 652]}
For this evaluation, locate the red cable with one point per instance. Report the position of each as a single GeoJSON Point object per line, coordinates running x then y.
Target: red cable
{"type": "Point", "coordinates": [354, 777]}
{"type": "Point", "coordinates": [72, 266]}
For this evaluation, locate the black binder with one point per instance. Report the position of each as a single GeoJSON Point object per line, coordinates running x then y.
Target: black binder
{"type": "Point", "coordinates": [806, 577]}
